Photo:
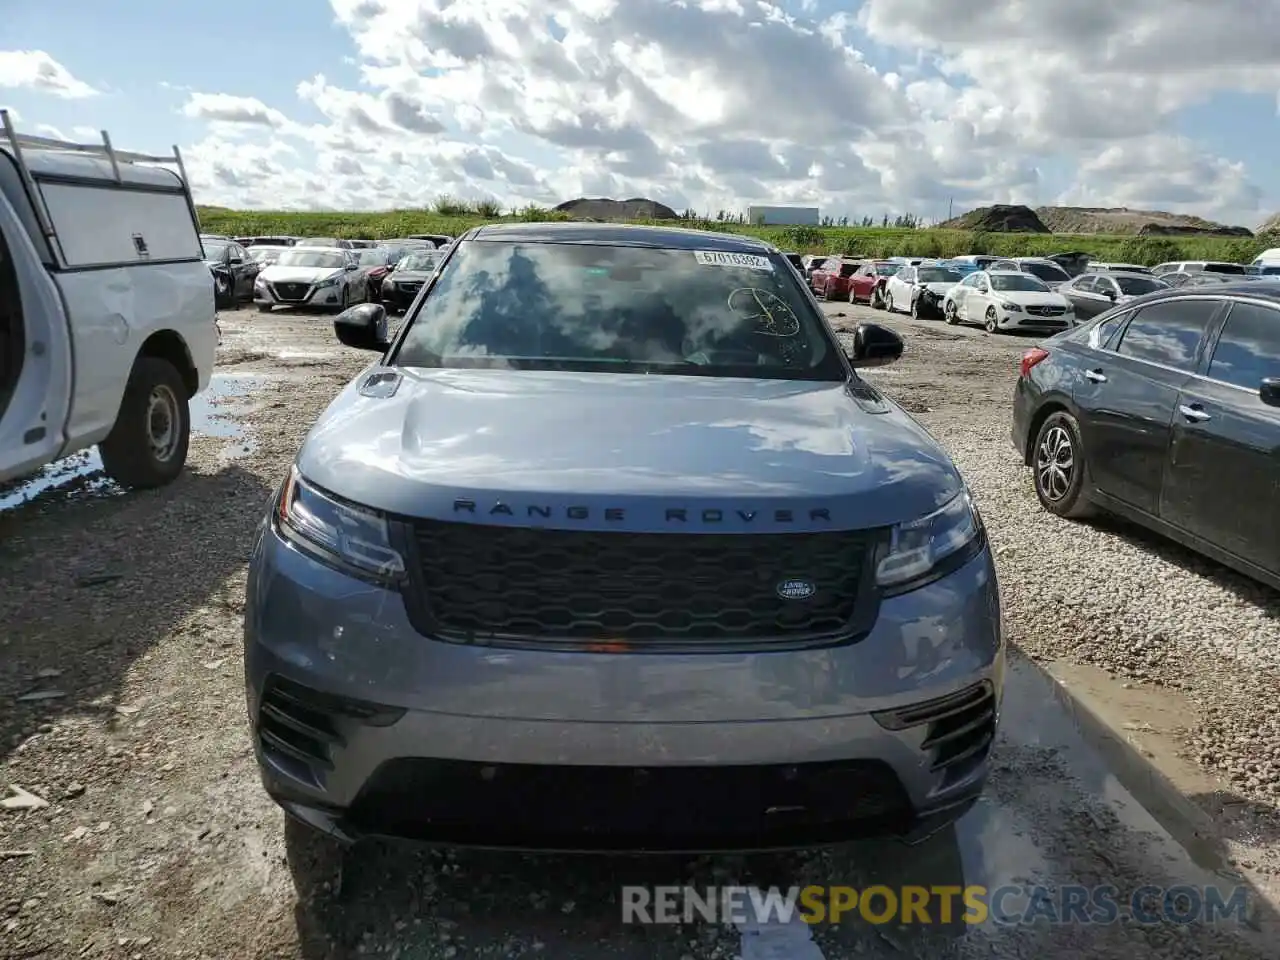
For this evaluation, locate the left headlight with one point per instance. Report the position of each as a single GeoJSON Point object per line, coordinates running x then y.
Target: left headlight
{"type": "Point", "coordinates": [922, 550]}
{"type": "Point", "coordinates": [343, 535]}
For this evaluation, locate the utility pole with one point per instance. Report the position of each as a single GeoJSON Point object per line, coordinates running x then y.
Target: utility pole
{"type": "Point", "coordinates": [950, 204]}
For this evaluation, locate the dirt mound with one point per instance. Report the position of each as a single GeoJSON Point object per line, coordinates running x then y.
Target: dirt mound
{"type": "Point", "coordinates": [1270, 226]}
{"type": "Point", "coordinates": [1000, 218]}
{"type": "Point", "coordinates": [1130, 222]}
{"type": "Point", "coordinates": [637, 208]}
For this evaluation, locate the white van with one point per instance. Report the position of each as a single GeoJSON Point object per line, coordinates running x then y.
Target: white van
{"type": "Point", "coordinates": [107, 320]}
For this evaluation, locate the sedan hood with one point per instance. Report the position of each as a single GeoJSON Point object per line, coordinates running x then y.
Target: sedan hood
{"type": "Point", "coordinates": [940, 288]}
{"type": "Point", "coordinates": [288, 274]}
{"type": "Point", "coordinates": [408, 276]}
{"type": "Point", "coordinates": [732, 453]}
{"type": "Point", "coordinates": [1031, 298]}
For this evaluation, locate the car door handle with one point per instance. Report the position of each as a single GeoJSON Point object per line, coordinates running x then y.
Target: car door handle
{"type": "Point", "coordinates": [1194, 413]}
{"type": "Point", "coordinates": [1097, 376]}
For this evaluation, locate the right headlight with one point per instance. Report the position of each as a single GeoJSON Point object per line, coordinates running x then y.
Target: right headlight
{"type": "Point", "coordinates": [921, 550]}
{"type": "Point", "coordinates": [351, 538]}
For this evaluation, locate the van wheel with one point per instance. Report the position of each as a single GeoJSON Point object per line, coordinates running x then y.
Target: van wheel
{"type": "Point", "coordinates": [147, 447]}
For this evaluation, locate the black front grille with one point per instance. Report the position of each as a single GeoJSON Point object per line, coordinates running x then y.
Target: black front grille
{"type": "Point", "coordinates": [292, 291]}
{"type": "Point", "coordinates": [410, 287]}
{"type": "Point", "coordinates": [479, 583]}
{"type": "Point", "coordinates": [606, 807]}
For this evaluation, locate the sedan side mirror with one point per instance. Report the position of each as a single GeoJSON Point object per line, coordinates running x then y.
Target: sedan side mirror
{"type": "Point", "coordinates": [1269, 391]}
{"type": "Point", "coordinates": [363, 327]}
{"type": "Point", "coordinates": [1110, 295]}
{"type": "Point", "coordinates": [874, 346]}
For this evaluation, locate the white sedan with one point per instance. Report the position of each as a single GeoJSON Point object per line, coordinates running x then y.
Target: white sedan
{"type": "Point", "coordinates": [920, 290]}
{"type": "Point", "coordinates": [311, 277]}
{"type": "Point", "coordinates": [1007, 300]}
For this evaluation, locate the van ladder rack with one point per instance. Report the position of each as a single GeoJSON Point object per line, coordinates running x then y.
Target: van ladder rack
{"type": "Point", "coordinates": [18, 142]}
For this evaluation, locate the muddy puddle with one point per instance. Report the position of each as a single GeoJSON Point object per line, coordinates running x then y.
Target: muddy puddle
{"type": "Point", "coordinates": [214, 413]}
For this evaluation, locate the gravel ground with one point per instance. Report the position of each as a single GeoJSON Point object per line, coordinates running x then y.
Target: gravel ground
{"type": "Point", "coordinates": [121, 710]}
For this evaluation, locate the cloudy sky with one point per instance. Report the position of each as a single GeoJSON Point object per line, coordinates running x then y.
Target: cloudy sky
{"type": "Point", "coordinates": [858, 106]}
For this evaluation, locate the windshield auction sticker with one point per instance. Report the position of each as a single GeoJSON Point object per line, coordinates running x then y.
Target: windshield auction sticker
{"type": "Point", "coordinates": [715, 258]}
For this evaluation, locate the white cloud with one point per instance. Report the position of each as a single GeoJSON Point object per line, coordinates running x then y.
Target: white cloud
{"type": "Point", "coordinates": [36, 70]}
{"type": "Point", "coordinates": [721, 103]}
{"type": "Point", "coordinates": [224, 108]}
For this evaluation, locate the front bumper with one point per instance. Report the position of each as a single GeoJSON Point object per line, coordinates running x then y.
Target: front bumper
{"type": "Point", "coordinates": [1021, 320]}
{"type": "Point", "coordinates": [363, 726]}
{"type": "Point", "coordinates": [297, 295]}
{"type": "Point", "coordinates": [930, 304]}
{"type": "Point", "coordinates": [398, 297]}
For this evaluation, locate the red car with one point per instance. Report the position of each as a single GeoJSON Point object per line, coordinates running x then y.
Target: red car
{"type": "Point", "coordinates": [831, 280]}
{"type": "Point", "coordinates": [871, 277]}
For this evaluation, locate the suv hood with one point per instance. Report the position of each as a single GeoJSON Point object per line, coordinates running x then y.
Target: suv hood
{"type": "Point", "coordinates": [644, 444]}
{"type": "Point", "coordinates": [288, 274]}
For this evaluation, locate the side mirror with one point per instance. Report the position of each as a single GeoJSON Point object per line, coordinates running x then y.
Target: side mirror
{"type": "Point", "coordinates": [1269, 391]}
{"type": "Point", "coordinates": [1110, 295]}
{"type": "Point", "coordinates": [874, 346]}
{"type": "Point", "coordinates": [362, 327]}
{"type": "Point", "coordinates": [353, 266]}
{"type": "Point", "coordinates": [236, 261]}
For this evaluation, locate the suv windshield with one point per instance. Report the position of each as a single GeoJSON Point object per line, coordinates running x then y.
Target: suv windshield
{"type": "Point", "coordinates": [939, 275]}
{"type": "Point", "coordinates": [557, 306]}
{"type": "Point", "coordinates": [1046, 271]}
{"type": "Point", "coordinates": [295, 257]}
{"type": "Point", "coordinates": [1137, 286]}
{"type": "Point", "coordinates": [1017, 281]}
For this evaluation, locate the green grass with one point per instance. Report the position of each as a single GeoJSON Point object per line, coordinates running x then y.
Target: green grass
{"type": "Point", "coordinates": [453, 217]}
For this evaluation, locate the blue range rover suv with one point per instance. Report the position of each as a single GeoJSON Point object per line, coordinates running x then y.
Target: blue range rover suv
{"type": "Point", "coordinates": [613, 549]}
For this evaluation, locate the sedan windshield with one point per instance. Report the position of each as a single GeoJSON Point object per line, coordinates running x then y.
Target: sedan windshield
{"type": "Point", "coordinates": [888, 269]}
{"type": "Point", "coordinates": [1137, 286]}
{"type": "Point", "coordinates": [263, 254]}
{"type": "Point", "coordinates": [373, 257]}
{"type": "Point", "coordinates": [552, 306]}
{"type": "Point", "coordinates": [1017, 281]}
{"type": "Point", "coordinates": [213, 250]}
{"type": "Point", "coordinates": [301, 257]}
{"type": "Point", "coordinates": [939, 275]}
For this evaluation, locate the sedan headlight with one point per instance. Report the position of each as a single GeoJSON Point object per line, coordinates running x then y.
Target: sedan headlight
{"type": "Point", "coordinates": [1010, 307]}
{"type": "Point", "coordinates": [921, 550]}
{"type": "Point", "coordinates": [329, 281]}
{"type": "Point", "coordinates": [343, 535]}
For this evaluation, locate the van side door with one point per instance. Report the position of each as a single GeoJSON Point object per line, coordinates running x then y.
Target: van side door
{"type": "Point", "coordinates": [35, 355]}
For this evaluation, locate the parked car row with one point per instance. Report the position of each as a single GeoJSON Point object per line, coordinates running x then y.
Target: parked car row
{"type": "Point", "coordinates": [325, 272]}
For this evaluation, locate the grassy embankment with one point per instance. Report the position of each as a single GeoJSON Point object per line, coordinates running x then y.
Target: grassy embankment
{"type": "Point", "coordinates": [854, 241]}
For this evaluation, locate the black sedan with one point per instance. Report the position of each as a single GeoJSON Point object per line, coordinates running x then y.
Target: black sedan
{"type": "Point", "coordinates": [1094, 293]}
{"type": "Point", "coordinates": [232, 268]}
{"type": "Point", "coordinates": [1165, 411]}
{"type": "Point", "coordinates": [401, 285]}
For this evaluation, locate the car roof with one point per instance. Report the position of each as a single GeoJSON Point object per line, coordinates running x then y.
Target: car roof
{"type": "Point", "coordinates": [620, 235]}
{"type": "Point", "coordinates": [1258, 289]}
{"type": "Point", "coordinates": [1005, 273]}
{"type": "Point", "coordinates": [1118, 273]}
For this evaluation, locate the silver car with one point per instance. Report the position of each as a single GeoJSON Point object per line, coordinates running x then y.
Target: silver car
{"type": "Point", "coordinates": [612, 549]}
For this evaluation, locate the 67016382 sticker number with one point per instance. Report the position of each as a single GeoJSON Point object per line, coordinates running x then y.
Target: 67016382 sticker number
{"type": "Point", "coordinates": [716, 258]}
